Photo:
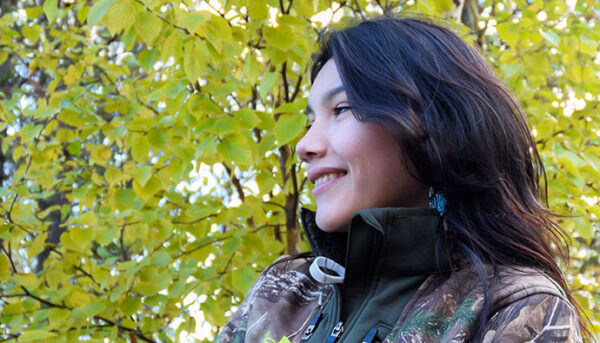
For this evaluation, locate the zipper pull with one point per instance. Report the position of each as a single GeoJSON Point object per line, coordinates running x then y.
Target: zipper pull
{"type": "Point", "coordinates": [311, 327]}
{"type": "Point", "coordinates": [336, 332]}
{"type": "Point", "coordinates": [370, 336]}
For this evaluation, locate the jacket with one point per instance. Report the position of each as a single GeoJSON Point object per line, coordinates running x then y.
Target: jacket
{"type": "Point", "coordinates": [399, 286]}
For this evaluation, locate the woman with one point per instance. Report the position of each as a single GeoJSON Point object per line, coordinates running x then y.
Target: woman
{"type": "Point", "coordinates": [429, 225]}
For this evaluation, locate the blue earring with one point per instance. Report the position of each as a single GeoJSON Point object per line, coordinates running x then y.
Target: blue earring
{"type": "Point", "coordinates": [437, 201]}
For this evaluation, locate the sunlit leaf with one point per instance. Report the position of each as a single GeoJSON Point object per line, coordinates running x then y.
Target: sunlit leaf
{"type": "Point", "coordinates": [98, 10]}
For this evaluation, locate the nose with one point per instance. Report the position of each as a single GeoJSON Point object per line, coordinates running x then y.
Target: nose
{"type": "Point", "coordinates": [312, 145]}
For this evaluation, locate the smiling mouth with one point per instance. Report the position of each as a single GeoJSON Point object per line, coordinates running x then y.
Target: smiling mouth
{"type": "Point", "coordinates": [327, 177]}
{"type": "Point", "coordinates": [325, 180]}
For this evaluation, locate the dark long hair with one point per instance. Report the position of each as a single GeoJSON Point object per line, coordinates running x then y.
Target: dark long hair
{"type": "Point", "coordinates": [463, 133]}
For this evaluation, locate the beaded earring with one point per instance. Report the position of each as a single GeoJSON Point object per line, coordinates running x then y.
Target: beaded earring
{"type": "Point", "coordinates": [437, 201]}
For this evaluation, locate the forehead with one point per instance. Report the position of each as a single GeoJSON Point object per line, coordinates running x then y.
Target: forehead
{"type": "Point", "coordinates": [326, 81]}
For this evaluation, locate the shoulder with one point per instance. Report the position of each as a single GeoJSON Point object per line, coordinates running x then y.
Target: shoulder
{"type": "Point", "coordinates": [287, 277]}
{"type": "Point", "coordinates": [279, 302]}
{"type": "Point", "coordinates": [539, 317]}
{"type": "Point", "coordinates": [457, 300]}
{"type": "Point", "coordinates": [530, 306]}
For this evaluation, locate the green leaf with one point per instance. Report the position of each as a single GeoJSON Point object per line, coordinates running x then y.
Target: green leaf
{"type": "Point", "coordinates": [243, 278]}
{"type": "Point", "coordinates": [74, 148]}
{"type": "Point", "coordinates": [147, 27]}
{"type": "Point", "coordinates": [124, 198]}
{"type": "Point", "coordinates": [4, 268]}
{"type": "Point", "coordinates": [100, 154]}
{"type": "Point", "coordinates": [32, 33]}
{"type": "Point", "coordinates": [288, 127]}
{"type": "Point", "coordinates": [151, 187]}
{"type": "Point", "coordinates": [143, 174]}
{"type": "Point", "coordinates": [120, 16]}
{"type": "Point", "coordinates": [37, 245]}
{"type": "Point", "coordinates": [509, 32]}
{"type": "Point", "coordinates": [147, 59]}
{"type": "Point", "coordinates": [158, 138]}
{"type": "Point", "coordinates": [34, 335]}
{"type": "Point", "coordinates": [51, 9]}
{"type": "Point", "coordinates": [130, 305]}
{"type": "Point", "coordinates": [235, 147]}
{"type": "Point", "coordinates": [98, 11]}
{"type": "Point", "coordinates": [3, 56]}
{"type": "Point", "coordinates": [247, 118]}
{"type": "Point", "coordinates": [161, 259]}
{"type": "Point", "coordinates": [550, 36]}
{"type": "Point", "coordinates": [140, 148]}
{"type": "Point", "coordinates": [93, 308]}
{"type": "Point", "coordinates": [194, 21]}
{"type": "Point", "coordinates": [251, 68]}
{"type": "Point", "coordinates": [82, 237]}
{"type": "Point", "coordinates": [199, 107]}
{"type": "Point", "coordinates": [267, 81]}
{"type": "Point", "coordinates": [257, 10]}
{"type": "Point", "coordinates": [279, 36]}
{"type": "Point", "coordinates": [194, 59]}
{"type": "Point", "coordinates": [30, 131]}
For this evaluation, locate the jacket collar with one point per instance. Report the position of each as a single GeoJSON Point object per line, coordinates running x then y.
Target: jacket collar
{"type": "Point", "coordinates": [383, 242]}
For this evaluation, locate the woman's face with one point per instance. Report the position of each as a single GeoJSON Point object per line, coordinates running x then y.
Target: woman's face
{"type": "Point", "coordinates": [354, 165]}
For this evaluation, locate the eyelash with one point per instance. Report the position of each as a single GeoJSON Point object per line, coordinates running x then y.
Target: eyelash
{"type": "Point", "coordinates": [339, 108]}
{"type": "Point", "coordinates": [336, 112]}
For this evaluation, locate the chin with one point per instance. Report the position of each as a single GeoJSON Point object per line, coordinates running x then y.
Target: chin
{"type": "Point", "coordinates": [329, 225]}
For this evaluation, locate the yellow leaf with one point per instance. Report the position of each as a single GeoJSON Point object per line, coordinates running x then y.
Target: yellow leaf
{"type": "Point", "coordinates": [101, 154]}
{"type": "Point", "coordinates": [73, 75]}
{"type": "Point", "coordinates": [194, 59]}
{"type": "Point", "coordinates": [120, 15]}
{"type": "Point", "coordinates": [35, 335]}
{"type": "Point", "coordinates": [37, 245]}
{"type": "Point", "coordinates": [140, 148]}
{"type": "Point", "coordinates": [79, 298]}
{"type": "Point", "coordinates": [26, 280]}
{"type": "Point", "coordinates": [149, 189]}
{"type": "Point", "coordinates": [82, 237]}
{"type": "Point", "coordinates": [147, 27]}
{"type": "Point", "coordinates": [5, 269]}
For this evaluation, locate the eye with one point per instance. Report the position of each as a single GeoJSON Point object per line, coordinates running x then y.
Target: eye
{"type": "Point", "coordinates": [340, 109]}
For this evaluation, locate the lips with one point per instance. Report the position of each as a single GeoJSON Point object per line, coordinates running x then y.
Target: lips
{"type": "Point", "coordinates": [323, 177]}
{"type": "Point", "coordinates": [315, 173]}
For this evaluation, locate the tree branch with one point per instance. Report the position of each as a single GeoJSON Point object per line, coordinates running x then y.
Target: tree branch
{"type": "Point", "coordinates": [286, 90]}
{"type": "Point", "coordinates": [193, 221]}
{"type": "Point", "coordinates": [236, 182]}
{"type": "Point", "coordinates": [124, 255]}
{"type": "Point", "coordinates": [296, 88]}
{"type": "Point", "coordinates": [134, 331]}
{"type": "Point", "coordinates": [9, 256]}
{"type": "Point", "coordinates": [43, 301]}
{"type": "Point", "coordinates": [149, 10]}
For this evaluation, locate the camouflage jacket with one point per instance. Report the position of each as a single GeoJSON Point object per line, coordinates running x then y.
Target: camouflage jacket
{"type": "Point", "coordinates": [526, 305]}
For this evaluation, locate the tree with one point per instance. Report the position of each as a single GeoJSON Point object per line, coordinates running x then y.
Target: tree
{"type": "Point", "coordinates": [147, 149]}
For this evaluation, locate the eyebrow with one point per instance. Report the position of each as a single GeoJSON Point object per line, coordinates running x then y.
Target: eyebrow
{"type": "Point", "coordinates": [330, 94]}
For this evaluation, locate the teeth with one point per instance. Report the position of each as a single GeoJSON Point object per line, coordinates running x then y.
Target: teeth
{"type": "Point", "coordinates": [326, 178]}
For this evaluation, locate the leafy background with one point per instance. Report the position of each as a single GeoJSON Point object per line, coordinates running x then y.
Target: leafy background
{"type": "Point", "coordinates": [148, 171]}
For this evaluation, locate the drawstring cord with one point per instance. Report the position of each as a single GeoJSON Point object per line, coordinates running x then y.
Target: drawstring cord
{"type": "Point", "coordinates": [316, 270]}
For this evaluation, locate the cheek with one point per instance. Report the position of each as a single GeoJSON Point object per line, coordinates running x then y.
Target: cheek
{"type": "Point", "coordinates": [381, 174]}
{"type": "Point", "coordinates": [375, 155]}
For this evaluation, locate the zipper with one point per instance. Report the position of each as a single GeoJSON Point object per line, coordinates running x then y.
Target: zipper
{"type": "Point", "coordinates": [338, 328]}
{"type": "Point", "coordinates": [311, 327]}
{"type": "Point", "coordinates": [370, 336]}
{"type": "Point", "coordinates": [337, 331]}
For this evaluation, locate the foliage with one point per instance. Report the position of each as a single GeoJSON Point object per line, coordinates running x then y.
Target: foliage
{"type": "Point", "coordinates": [147, 149]}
